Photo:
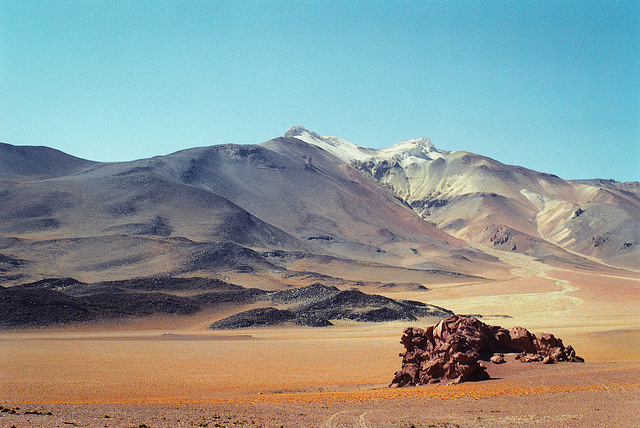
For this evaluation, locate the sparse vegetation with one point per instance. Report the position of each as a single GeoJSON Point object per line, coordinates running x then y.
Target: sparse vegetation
{"type": "Point", "coordinates": [36, 412]}
{"type": "Point", "coordinates": [9, 410]}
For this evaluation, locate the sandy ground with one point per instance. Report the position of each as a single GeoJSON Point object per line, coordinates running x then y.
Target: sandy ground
{"type": "Point", "coordinates": [175, 372]}
{"type": "Point", "coordinates": [563, 395]}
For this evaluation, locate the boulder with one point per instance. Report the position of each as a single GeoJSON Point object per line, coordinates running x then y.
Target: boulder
{"type": "Point", "coordinates": [453, 349]}
{"type": "Point", "coordinates": [571, 355]}
{"type": "Point", "coordinates": [498, 359]}
{"type": "Point", "coordinates": [521, 340]}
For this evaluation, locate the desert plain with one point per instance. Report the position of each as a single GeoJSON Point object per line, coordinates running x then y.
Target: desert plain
{"type": "Point", "coordinates": [175, 371]}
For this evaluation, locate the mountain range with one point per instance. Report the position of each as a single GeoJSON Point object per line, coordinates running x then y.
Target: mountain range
{"type": "Point", "coordinates": [480, 200]}
{"type": "Point", "coordinates": [302, 208]}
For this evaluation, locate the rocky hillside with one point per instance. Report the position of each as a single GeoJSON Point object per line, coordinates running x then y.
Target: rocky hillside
{"type": "Point", "coordinates": [316, 305]}
{"type": "Point", "coordinates": [66, 301]}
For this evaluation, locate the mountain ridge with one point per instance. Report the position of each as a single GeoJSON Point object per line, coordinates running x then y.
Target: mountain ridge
{"type": "Point", "coordinates": [475, 198]}
{"type": "Point", "coordinates": [38, 160]}
{"type": "Point", "coordinates": [410, 205]}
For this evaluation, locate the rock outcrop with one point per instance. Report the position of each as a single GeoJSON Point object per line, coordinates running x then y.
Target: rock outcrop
{"type": "Point", "coordinates": [454, 348]}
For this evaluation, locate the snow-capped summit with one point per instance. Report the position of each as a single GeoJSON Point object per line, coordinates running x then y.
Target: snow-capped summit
{"type": "Point", "coordinates": [410, 151]}
{"type": "Point", "coordinates": [422, 143]}
{"type": "Point", "coordinates": [300, 131]}
{"type": "Point", "coordinates": [403, 152]}
{"type": "Point", "coordinates": [341, 148]}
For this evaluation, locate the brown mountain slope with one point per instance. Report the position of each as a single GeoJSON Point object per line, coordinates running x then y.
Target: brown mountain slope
{"type": "Point", "coordinates": [317, 198]}
{"type": "Point", "coordinates": [117, 221]}
{"type": "Point", "coordinates": [210, 210]}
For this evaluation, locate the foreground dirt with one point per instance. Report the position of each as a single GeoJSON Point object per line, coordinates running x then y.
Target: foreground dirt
{"type": "Point", "coordinates": [176, 373]}
{"type": "Point", "coordinates": [567, 395]}
{"type": "Point", "coordinates": [290, 379]}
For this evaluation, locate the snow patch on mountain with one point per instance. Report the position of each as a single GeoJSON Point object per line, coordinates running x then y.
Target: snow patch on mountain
{"type": "Point", "coordinates": [406, 153]}
{"type": "Point", "coordinates": [343, 149]}
{"type": "Point", "coordinates": [411, 153]}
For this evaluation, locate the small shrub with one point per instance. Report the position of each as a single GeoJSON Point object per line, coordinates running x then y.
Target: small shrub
{"type": "Point", "coordinates": [9, 410]}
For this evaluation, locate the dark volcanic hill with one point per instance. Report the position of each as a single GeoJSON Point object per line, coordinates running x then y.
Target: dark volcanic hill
{"type": "Point", "coordinates": [66, 301]}
{"type": "Point", "coordinates": [317, 305]}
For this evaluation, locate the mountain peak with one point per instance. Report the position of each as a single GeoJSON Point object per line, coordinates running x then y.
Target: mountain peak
{"type": "Point", "coordinates": [337, 146]}
{"type": "Point", "coordinates": [417, 147]}
{"type": "Point", "coordinates": [299, 131]}
{"type": "Point", "coordinates": [38, 160]}
{"type": "Point", "coordinates": [420, 142]}
{"type": "Point", "coordinates": [421, 148]}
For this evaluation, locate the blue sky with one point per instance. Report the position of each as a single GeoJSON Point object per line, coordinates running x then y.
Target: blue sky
{"type": "Point", "coordinates": [549, 85]}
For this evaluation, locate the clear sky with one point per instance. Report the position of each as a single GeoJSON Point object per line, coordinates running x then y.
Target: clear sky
{"type": "Point", "coordinates": [549, 85]}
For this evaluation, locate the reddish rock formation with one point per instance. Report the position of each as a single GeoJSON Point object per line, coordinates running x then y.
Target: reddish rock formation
{"type": "Point", "coordinates": [453, 350]}
{"type": "Point", "coordinates": [498, 359]}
